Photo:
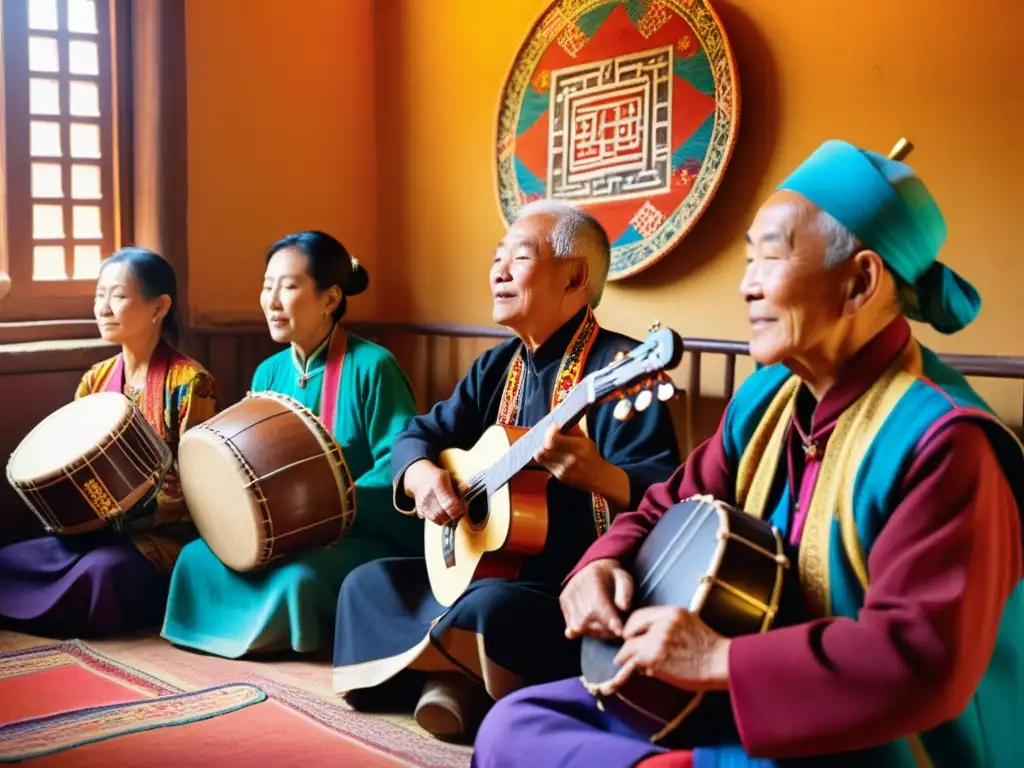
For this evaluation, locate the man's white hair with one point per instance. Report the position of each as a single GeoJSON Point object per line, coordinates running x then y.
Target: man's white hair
{"type": "Point", "coordinates": [841, 244]}
{"type": "Point", "coordinates": [576, 234]}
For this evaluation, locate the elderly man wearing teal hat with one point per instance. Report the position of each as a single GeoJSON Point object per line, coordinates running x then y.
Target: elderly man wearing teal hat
{"type": "Point", "coordinates": [897, 489]}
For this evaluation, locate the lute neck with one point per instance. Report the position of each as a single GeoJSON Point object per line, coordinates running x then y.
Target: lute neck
{"type": "Point", "coordinates": [567, 414]}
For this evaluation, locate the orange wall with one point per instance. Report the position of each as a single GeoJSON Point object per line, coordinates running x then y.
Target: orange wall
{"type": "Point", "coordinates": [280, 138]}
{"type": "Point", "coordinates": [869, 71]}
{"type": "Point", "coordinates": [403, 169]}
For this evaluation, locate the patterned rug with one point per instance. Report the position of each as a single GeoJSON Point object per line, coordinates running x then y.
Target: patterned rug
{"type": "Point", "coordinates": [66, 730]}
{"type": "Point", "coordinates": [131, 673]}
{"type": "Point", "coordinates": [30, 679]}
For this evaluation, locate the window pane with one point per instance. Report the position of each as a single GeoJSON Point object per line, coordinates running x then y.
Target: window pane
{"type": "Point", "coordinates": [85, 99]}
{"type": "Point", "coordinates": [82, 16]}
{"type": "Point", "coordinates": [48, 263]}
{"type": "Point", "coordinates": [87, 262]}
{"type": "Point", "coordinates": [46, 180]}
{"type": "Point", "coordinates": [83, 58]}
{"type": "Point", "coordinates": [87, 222]}
{"type": "Point", "coordinates": [44, 139]}
{"type": "Point", "coordinates": [42, 14]}
{"type": "Point", "coordinates": [43, 97]}
{"type": "Point", "coordinates": [85, 140]}
{"type": "Point", "coordinates": [85, 182]}
{"type": "Point", "coordinates": [47, 222]}
{"type": "Point", "coordinates": [43, 55]}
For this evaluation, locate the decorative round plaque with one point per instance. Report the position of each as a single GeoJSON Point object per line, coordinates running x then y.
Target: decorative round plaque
{"type": "Point", "coordinates": [627, 108]}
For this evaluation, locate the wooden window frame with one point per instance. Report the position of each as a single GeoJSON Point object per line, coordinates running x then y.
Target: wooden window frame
{"type": "Point", "coordinates": [64, 300]}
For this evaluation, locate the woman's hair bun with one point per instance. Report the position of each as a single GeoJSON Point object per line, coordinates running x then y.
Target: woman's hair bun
{"type": "Point", "coordinates": [360, 279]}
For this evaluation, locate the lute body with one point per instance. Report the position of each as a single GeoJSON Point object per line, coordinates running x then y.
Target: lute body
{"type": "Point", "coordinates": [502, 528]}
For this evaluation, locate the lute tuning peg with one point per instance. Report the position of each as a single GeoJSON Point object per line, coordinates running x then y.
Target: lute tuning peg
{"type": "Point", "coordinates": [643, 400]}
{"type": "Point", "coordinates": [623, 410]}
{"type": "Point", "coordinates": [666, 391]}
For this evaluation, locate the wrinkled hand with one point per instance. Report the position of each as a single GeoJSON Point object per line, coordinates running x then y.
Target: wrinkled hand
{"type": "Point", "coordinates": [673, 645]}
{"type": "Point", "coordinates": [593, 598]}
{"type": "Point", "coordinates": [431, 488]}
{"type": "Point", "coordinates": [572, 459]}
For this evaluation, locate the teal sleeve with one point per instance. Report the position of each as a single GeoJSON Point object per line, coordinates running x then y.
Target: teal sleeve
{"type": "Point", "coordinates": [388, 405]}
{"type": "Point", "coordinates": [261, 378]}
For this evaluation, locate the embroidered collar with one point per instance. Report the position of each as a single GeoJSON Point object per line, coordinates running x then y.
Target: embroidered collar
{"type": "Point", "coordinates": [584, 329]}
{"type": "Point", "coordinates": [857, 376]}
{"type": "Point", "coordinates": [150, 398]}
{"type": "Point", "coordinates": [554, 347]}
{"type": "Point", "coordinates": [315, 361]}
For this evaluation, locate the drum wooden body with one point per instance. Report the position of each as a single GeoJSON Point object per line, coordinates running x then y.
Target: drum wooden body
{"type": "Point", "coordinates": [92, 463]}
{"type": "Point", "coordinates": [262, 479]}
{"type": "Point", "coordinates": [710, 559]}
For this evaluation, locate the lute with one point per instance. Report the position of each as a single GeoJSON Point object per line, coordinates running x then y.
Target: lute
{"type": "Point", "coordinates": [506, 491]}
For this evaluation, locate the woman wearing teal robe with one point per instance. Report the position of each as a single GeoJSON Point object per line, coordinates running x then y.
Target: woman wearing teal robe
{"type": "Point", "coordinates": [291, 603]}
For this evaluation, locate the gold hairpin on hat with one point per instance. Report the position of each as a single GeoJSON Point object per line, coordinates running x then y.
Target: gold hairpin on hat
{"type": "Point", "coordinates": [355, 262]}
{"type": "Point", "coordinates": [902, 148]}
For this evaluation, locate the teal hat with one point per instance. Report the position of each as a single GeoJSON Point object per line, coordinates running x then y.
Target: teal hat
{"type": "Point", "coordinates": [883, 202]}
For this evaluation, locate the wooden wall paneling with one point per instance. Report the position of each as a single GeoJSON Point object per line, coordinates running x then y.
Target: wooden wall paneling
{"type": "Point", "coordinates": [252, 350]}
{"type": "Point", "coordinates": [223, 364]}
{"type": "Point", "coordinates": [411, 353]}
{"type": "Point", "coordinates": [441, 354]}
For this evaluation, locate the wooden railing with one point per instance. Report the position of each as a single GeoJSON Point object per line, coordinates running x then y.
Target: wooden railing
{"type": "Point", "coordinates": [981, 366]}
{"type": "Point", "coordinates": [42, 376]}
{"type": "Point", "coordinates": [436, 355]}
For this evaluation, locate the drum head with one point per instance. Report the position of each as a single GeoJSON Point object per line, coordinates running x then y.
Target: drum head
{"type": "Point", "coordinates": [669, 570]}
{"type": "Point", "coordinates": [221, 505]}
{"type": "Point", "coordinates": [68, 435]}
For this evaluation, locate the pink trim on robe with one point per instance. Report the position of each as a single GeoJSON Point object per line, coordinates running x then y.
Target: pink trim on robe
{"type": "Point", "coordinates": [331, 383]}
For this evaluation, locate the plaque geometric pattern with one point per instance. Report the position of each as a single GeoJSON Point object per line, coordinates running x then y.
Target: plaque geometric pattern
{"type": "Point", "coordinates": [610, 128]}
{"type": "Point", "coordinates": [627, 108]}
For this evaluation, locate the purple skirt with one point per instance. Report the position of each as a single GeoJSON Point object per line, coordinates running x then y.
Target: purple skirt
{"type": "Point", "coordinates": [79, 586]}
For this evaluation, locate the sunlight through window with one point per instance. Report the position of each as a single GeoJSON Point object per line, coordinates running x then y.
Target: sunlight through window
{"type": "Point", "coordinates": [48, 263]}
{"type": "Point", "coordinates": [82, 16]}
{"type": "Point", "coordinates": [62, 125]}
{"type": "Point", "coordinates": [47, 180]}
{"type": "Point", "coordinates": [83, 58]}
{"type": "Point", "coordinates": [42, 14]}
{"type": "Point", "coordinates": [88, 259]}
{"type": "Point", "coordinates": [43, 55]}
{"type": "Point", "coordinates": [44, 139]}
{"type": "Point", "coordinates": [85, 182]}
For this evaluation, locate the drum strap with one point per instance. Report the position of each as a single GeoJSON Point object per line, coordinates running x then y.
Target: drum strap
{"type": "Point", "coordinates": [153, 394]}
{"type": "Point", "coordinates": [331, 384]}
{"type": "Point", "coordinates": [569, 374]}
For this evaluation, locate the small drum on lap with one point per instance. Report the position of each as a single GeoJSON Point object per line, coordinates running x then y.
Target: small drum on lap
{"type": "Point", "coordinates": [264, 478]}
{"type": "Point", "coordinates": [92, 463]}
{"type": "Point", "coordinates": [711, 559]}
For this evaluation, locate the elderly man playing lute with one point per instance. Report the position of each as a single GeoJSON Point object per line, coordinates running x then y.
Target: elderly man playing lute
{"type": "Point", "coordinates": [396, 644]}
{"type": "Point", "coordinates": [897, 487]}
